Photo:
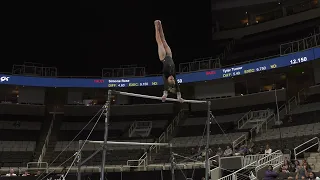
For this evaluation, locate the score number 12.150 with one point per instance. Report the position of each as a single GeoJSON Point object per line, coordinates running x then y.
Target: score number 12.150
{"type": "Point", "coordinates": [299, 60]}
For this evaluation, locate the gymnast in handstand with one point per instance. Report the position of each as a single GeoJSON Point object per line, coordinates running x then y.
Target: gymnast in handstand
{"type": "Point", "coordinates": [169, 71]}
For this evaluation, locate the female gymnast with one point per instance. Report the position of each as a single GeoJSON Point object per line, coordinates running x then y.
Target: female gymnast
{"type": "Point", "coordinates": [169, 71]}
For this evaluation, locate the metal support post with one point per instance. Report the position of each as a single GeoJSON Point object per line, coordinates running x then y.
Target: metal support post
{"type": "Point", "coordinates": [172, 159]}
{"type": "Point", "coordinates": [207, 145]}
{"type": "Point", "coordinates": [79, 161]}
{"type": "Point", "coordinates": [104, 152]}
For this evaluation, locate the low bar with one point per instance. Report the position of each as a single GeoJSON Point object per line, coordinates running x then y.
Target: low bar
{"type": "Point", "coordinates": [157, 98]}
{"type": "Point", "coordinates": [129, 143]}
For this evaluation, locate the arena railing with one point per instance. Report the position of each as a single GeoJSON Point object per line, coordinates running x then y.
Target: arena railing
{"type": "Point", "coordinates": [238, 141]}
{"type": "Point", "coordinates": [305, 92]}
{"type": "Point", "coordinates": [274, 159]}
{"type": "Point", "coordinates": [132, 127]}
{"type": "Point", "coordinates": [282, 111]}
{"type": "Point", "coordinates": [227, 50]}
{"type": "Point", "coordinates": [302, 96]}
{"type": "Point", "coordinates": [238, 175]}
{"type": "Point", "coordinates": [300, 45]}
{"type": "Point", "coordinates": [124, 72]}
{"type": "Point", "coordinates": [243, 120]}
{"type": "Point", "coordinates": [142, 162]}
{"type": "Point", "coordinates": [38, 166]}
{"type": "Point", "coordinates": [310, 143]}
{"type": "Point", "coordinates": [258, 128]}
{"type": "Point", "coordinates": [46, 142]}
{"type": "Point", "coordinates": [201, 64]}
{"type": "Point", "coordinates": [252, 114]}
{"type": "Point", "coordinates": [249, 159]}
{"type": "Point", "coordinates": [292, 103]}
{"type": "Point", "coordinates": [269, 157]}
{"type": "Point", "coordinates": [139, 124]}
{"type": "Point", "coordinates": [33, 69]}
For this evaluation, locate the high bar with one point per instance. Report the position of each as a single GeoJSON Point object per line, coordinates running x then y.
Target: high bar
{"type": "Point", "coordinates": [130, 143]}
{"type": "Point", "coordinates": [157, 98]}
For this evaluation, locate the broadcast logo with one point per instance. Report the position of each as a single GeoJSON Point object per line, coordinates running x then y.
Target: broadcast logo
{"type": "Point", "coordinates": [4, 79]}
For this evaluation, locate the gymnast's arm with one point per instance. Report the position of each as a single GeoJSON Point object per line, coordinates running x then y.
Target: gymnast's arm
{"type": "Point", "coordinates": [177, 89]}
{"type": "Point", "coordinates": [176, 84]}
{"type": "Point", "coordinates": [166, 87]}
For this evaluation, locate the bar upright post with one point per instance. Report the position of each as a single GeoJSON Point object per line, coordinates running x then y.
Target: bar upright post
{"type": "Point", "coordinates": [104, 151]}
{"type": "Point", "coordinates": [172, 159]}
{"type": "Point", "coordinates": [79, 161]}
{"type": "Point", "coordinates": [207, 168]}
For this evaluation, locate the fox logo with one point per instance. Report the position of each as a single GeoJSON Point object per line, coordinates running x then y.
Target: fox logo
{"type": "Point", "coordinates": [4, 78]}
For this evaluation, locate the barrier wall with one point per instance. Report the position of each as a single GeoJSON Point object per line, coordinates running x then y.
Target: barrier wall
{"type": "Point", "coordinates": [147, 175]}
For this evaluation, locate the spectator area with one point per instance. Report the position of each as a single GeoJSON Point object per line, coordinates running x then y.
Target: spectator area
{"type": "Point", "coordinates": [246, 48]}
{"type": "Point", "coordinates": [290, 132]}
{"type": "Point", "coordinates": [214, 140]}
{"type": "Point", "coordinates": [16, 153]}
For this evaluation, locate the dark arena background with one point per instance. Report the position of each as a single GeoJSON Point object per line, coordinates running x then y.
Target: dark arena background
{"type": "Point", "coordinates": [81, 91]}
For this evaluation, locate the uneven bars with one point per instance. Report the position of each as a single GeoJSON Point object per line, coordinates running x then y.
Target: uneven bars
{"type": "Point", "coordinates": [157, 98]}
{"type": "Point", "coordinates": [130, 143]}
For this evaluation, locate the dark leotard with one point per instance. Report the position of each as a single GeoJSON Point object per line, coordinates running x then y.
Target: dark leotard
{"type": "Point", "coordinates": [169, 70]}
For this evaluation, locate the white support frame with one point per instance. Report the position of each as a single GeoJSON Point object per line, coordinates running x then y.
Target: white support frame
{"type": "Point", "coordinates": [106, 142]}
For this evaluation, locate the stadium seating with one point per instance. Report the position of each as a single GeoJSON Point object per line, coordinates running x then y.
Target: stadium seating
{"type": "Point", "coordinates": [246, 48]}
{"type": "Point", "coordinates": [17, 145]}
{"type": "Point", "coordinates": [314, 161]}
{"type": "Point", "coordinates": [18, 141]}
{"type": "Point", "coordinates": [214, 140]}
{"type": "Point", "coordinates": [290, 132]}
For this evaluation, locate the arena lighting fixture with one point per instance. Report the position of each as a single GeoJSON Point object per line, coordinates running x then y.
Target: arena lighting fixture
{"type": "Point", "coordinates": [105, 142]}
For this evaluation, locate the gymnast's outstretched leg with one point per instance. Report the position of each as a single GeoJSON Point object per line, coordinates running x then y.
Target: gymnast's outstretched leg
{"type": "Point", "coordinates": [164, 42]}
{"type": "Point", "coordinates": [165, 56]}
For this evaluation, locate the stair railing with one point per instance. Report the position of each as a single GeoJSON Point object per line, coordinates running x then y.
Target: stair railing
{"type": "Point", "coordinates": [311, 143]}
{"type": "Point", "coordinates": [292, 103]}
{"type": "Point", "coordinates": [46, 142]}
{"type": "Point", "coordinates": [238, 141]}
{"type": "Point", "coordinates": [243, 120]}
{"type": "Point", "coordinates": [261, 125]}
{"type": "Point", "coordinates": [132, 127]}
{"type": "Point", "coordinates": [227, 50]}
{"type": "Point", "coordinates": [166, 134]}
{"type": "Point", "coordinates": [141, 162]}
{"type": "Point", "coordinates": [237, 174]}
{"type": "Point", "coordinates": [269, 157]}
{"type": "Point", "coordinates": [302, 96]}
{"type": "Point", "coordinates": [283, 110]}
{"type": "Point", "coordinates": [275, 159]}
